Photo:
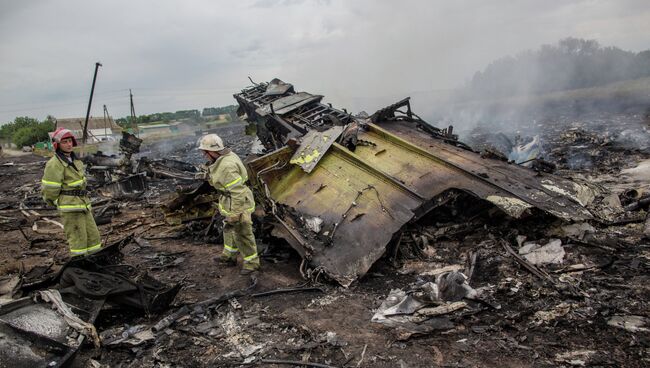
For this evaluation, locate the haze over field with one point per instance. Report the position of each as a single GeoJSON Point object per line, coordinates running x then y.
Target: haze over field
{"type": "Point", "coordinates": [361, 55]}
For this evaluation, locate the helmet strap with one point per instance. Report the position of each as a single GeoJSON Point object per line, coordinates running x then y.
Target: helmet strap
{"type": "Point", "coordinates": [213, 155]}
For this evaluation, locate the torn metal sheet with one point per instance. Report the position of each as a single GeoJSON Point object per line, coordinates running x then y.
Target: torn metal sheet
{"type": "Point", "coordinates": [47, 331]}
{"type": "Point", "coordinates": [33, 334]}
{"type": "Point", "coordinates": [197, 201]}
{"type": "Point", "coordinates": [395, 171]}
{"type": "Point", "coordinates": [130, 187]}
{"type": "Point", "coordinates": [294, 114]}
{"type": "Point", "coordinates": [313, 147]}
{"type": "Point", "coordinates": [287, 104]}
{"type": "Point", "coordinates": [277, 87]}
{"type": "Point", "coordinates": [167, 168]}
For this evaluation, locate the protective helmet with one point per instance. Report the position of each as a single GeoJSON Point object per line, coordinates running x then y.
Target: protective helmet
{"type": "Point", "coordinates": [210, 142]}
{"type": "Point", "coordinates": [61, 133]}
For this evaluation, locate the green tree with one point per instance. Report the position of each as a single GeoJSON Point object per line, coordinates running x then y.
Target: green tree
{"type": "Point", "coordinates": [570, 64]}
{"type": "Point", "coordinates": [25, 131]}
{"type": "Point", "coordinates": [7, 131]}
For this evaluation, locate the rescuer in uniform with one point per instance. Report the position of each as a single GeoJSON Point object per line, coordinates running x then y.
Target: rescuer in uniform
{"type": "Point", "coordinates": [64, 186]}
{"type": "Point", "coordinates": [228, 175]}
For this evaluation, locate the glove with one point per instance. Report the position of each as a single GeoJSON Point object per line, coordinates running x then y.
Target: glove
{"type": "Point", "coordinates": [201, 175]}
{"type": "Point", "coordinates": [233, 219]}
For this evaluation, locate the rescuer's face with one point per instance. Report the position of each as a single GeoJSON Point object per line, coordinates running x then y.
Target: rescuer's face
{"type": "Point", "coordinates": [66, 145]}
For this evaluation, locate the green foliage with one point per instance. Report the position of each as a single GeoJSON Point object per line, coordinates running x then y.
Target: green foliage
{"type": "Point", "coordinates": [188, 114]}
{"type": "Point", "coordinates": [210, 111]}
{"type": "Point", "coordinates": [571, 64]}
{"type": "Point", "coordinates": [166, 117]}
{"type": "Point", "coordinates": [25, 131]}
{"type": "Point", "coordinates": [7, 130]}
{"type": "Point", "coordinates": [122, 122]}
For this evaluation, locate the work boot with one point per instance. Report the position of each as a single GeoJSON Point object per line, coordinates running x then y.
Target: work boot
{"type": "Point", "coordinates": [226, 262]}
{"type": "Point", "coordinates": [246, 272]}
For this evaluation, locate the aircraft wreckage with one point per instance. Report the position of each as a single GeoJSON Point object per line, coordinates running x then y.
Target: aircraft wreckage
{"type": "Point", "coordinates": [48, 328]}
{"type": "Point", "coordinates": [341, 188]}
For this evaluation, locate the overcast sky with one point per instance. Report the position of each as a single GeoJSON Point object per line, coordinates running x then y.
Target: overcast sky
{"type": "Point", "coordinates": [178, 55]}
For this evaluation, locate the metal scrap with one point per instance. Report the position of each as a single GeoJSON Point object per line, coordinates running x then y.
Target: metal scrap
{"type": "Point", "coordinates": [410, 166]}
{"type": "Point", "coordinates": [87, 329]}
{"type": "Point", "coordinates": [78, 291]}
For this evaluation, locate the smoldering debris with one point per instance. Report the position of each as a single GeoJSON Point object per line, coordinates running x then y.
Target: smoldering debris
{"type": "Point", "coordinates": [77, 292]}
{"type": "Point", "coordinates": [309, 140]}
{"type": "Point", "coordinates": [474, 281]}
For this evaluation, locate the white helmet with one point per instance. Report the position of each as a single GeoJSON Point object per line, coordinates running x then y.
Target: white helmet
{"type": "Point", "coordinates": [210, 142]}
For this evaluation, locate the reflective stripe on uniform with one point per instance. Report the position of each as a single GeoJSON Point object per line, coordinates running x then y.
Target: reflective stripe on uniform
{"type": "Point", "coordinates": [51, 183]}
{"type": "Point", "coordinates": [223, 209]}
{"type": "Point", "coordinates": [86, 250]}
{"type": "Point", "coordinates": [228, 213]}
{"type": "Point", "coordinates": [76, 183]}
{"type": "Point", "coordinates": [232, 182]}
{"type": "Point", "coordinates": [250, 258]}
{"type": "Point", "coordinates": [230, 249]}
{"type": "Point", "coordinates": [72, 207]}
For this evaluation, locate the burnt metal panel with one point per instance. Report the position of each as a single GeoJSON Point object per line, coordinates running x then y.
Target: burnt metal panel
{"type": "Point", "coordinates": [278, 87]}
{"type": "Point", "coordinates": [360, 208]}
{"type": "Point", "coordinates": [431, 167]}
{"type": "Point", "coordinates": [33, 334]}
{"type": "Point", "coordinates": [364, 197]}
{"type": "Point", "coordinates": [129, 187]}
{"type": "Point", "coordinates": [287, 104]}
{"type": "Point", "coordinates": [313, 147]}
{"type": "Point", "coordinates": [340, 206]}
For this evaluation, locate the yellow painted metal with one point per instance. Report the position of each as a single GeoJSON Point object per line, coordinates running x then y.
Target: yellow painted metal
{"type": "Point", "coordinates": [364, 197]}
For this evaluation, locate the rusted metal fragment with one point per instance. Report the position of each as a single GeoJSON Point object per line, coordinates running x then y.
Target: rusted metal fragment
{"type": "Point", "coordinates": [194, 202]}
{"type": "Point", "coordinates": [340, 207]}
{"type": "Point", "coordinates": [313, 147]}
{"type": "Point", "coordinates": [515, 207]}
{"type": "Point", "coordinates": [347, 244]}
{"type": "Point", "coordinates": [130, 187]}
{"type": "Point", "coordinates": [432, 166]}
{"type": "Point", "coordinates": [33, 334]}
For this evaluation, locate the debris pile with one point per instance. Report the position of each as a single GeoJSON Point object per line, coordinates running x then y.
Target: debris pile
{"type": "Point", "coordinates": [348, 174]}
{"type": "Point", "coordinates": [385, 242]}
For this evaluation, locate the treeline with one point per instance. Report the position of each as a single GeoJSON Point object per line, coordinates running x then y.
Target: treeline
{"type": "Point", "coordinates": [165, 117]}
{"type": "Point", "coordinates": [209, 111]}
{"type": "Point", "coordinates": [25, 131]}
{"type": "Point", "coordinates": [571, 64]}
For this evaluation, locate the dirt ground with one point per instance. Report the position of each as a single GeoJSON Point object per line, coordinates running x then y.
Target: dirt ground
{"type": "Point", "coordinates": [525, 320]}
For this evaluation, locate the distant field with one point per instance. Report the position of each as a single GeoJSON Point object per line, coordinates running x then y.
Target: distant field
{"type": "Point", "coordinates": [632, 96]}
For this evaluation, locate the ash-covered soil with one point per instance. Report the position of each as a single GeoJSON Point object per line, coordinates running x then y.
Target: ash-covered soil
{"type": "Point", "coordinates": [591, 309]}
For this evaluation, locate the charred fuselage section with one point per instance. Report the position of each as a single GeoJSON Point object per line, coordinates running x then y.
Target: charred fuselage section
{"type": "Point", "coordinates": [339, 188]}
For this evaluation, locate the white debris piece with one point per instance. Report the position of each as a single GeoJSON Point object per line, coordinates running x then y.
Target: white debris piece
{"type": "Point", "coordinates": [523, 153]}
{"type": "Point", "coordinates": [578, 230]}
{"type": "Point", "coordinates": [577, 358]}
{"type": "Point", "coordinates": [88, 329]}
{"type": "Point", "coordinates": [640, 173]}
{"type": "Point", "coordinates": [314, 224]}
{"type": "Point", "coordinates": [630, 323]}
{"type": "Point", "coordinates": [537, 254]}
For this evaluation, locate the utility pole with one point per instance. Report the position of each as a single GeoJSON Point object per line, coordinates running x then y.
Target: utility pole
{"type": "Point", "coordinates": [90, 101]}
{"type": "Point", "coordinates": [105, 117]}
{"type": "Point", "coordinates": [134, 123]}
